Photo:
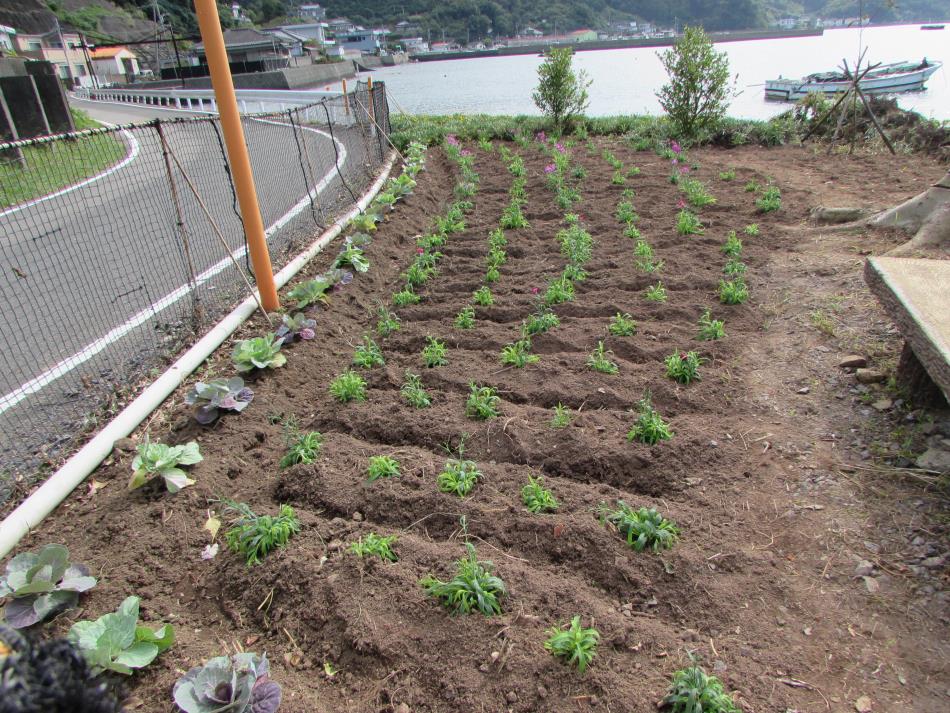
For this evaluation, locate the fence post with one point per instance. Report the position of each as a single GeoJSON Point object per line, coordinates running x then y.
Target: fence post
{"type": "Point", "coordinates": [346, 100]}
{"type": "Point", "coordinates": [210, 26]}
{"type": "Point", "coordinates": [369, 99]}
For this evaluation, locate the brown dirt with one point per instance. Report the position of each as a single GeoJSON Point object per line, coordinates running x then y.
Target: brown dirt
{"type": "Point", "coordinates": [761, 587]}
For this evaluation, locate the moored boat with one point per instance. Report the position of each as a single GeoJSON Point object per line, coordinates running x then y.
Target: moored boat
{"type": "Point", "coordinates": [884, 79]}
{"type": "Point", "coordinates": [931, 27]}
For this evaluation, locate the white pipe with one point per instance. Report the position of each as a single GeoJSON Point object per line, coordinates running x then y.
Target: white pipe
{"type": "Point", "coordinates": [57, 488]}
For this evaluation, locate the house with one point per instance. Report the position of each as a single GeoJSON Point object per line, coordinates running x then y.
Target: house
{"type": "Point", "coordinates": [414, 45]}
{"type": "Point", "coordinates": [7, 38]}
{"type": "Point", "coordinates": [289, 37]}
{"type": "Point", "coordinates": [366, 41]}
{"type": "Point", "coordinates": [237, 14]}
{"type": "Point", "coordinates": [70, 60]}
{"type": "Point", "coordinates": [314, 32]}
{"type": "Point", "coordinates": [312, 12]}
{"type": "Point", "coordinates": [249, 45]}
{"type": "Point", "coordinates": [114, 64]}
{"type": "Point", "coordinates": [407, 27]}
{"type": "Point", "coordinates": [787, 23]}
{"type": "Point", "coordinates": [341, 25]}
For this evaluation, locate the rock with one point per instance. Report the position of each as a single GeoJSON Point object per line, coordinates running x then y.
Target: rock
{"type": "Point", "coordinates": [872, 586]}
{"type": "Point", "coordinates": [863, 705]}
{"type": "Point", "coordinates": [542, 692]}
{"type": "Point", "coordinates": [803, 390]}
{"type": "Point", "coordinates": [511, 697]}
{"type": "Point", "coordinates": [125, 445]}
{"type": "Point", "coordinates": [869, 376]}
{"type": "Point", "coordinates": [882, 404]}
{"type": "Point", "coordinates": [932, 562]}
{"type": "Point", "coordinates": [872, 547]}
{"type": "Point", "coordinates": [403, 708]}
{"type": "Point", "coordinates": [864, 568]}
{"type": "Point", "coordinates": [934, 459]}
{"type": "Point", "coordinates": [358, 516]}
{"type": "Point", "coordinates": [825, 215]}
{"type": "Point", "coordinates": [853, 361]}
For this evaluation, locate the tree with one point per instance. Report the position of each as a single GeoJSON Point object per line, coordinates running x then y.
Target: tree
{"type": "Point", "coordinates": [699, 89]}
{"type": "Point", "coordinates": [561, 94]}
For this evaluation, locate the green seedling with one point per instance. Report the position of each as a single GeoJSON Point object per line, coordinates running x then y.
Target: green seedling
{"type": "Point", "coordinates": [518, 354]}
{"type": "Point", "coordinates": [656, 293]}
{"type": "Point", "coordinates": [727, 175]}
{"type": "Point", "coordinates": [539, 323]}
{"type": "Point", "coordinates": [465, 319]}
{"type": "Point", "coordinates": [387, 322]}
{"type": "Point", "coordinates": [752, 187]}
{"type": "Point", "coordinates": [418, 274]}
{"type": "Point", "coordinates": [687, 223]}
{"type": "Point", "coordinates": [302, 448]}
{"type": "Point", "coordinates": [254, 536]}
{"type": "Point", "coordinates": [644, 529]}
{"type": "Point", "coordinates": [696, 193]}
{"type": "Point", "coordinates": [368, 354]}
{"type": "Point", "coordinates": [492, 275]}
{"type": "Point", "coordinates": [599, 360]}
{"type": "Point", "coordinates": [406, 296]}
{"type": "Point", "coordinates": [635, 171]}
{"type": "Point", "coordinates": [618, 178]}
{"type": "Point", "coordinates": [258, 353]}
{"type": "Point", "coordinates": [536, 497]}
{"type": "Point", "coordinates": [413, 391]}
{"type": "Point", "coordinates": [733, 292]}
{"type": "Point", "coordinates": [571, 218]}
{"type": "Point", "coordinates": [159, 460]}
{"type": "Point", "coordinates": [348, 386]}
{"type": "Point", "coordinates": [559, 290]}
{"type": "Point", "coordinates": [483, 297]}
{"type": "Point", "coordinates": [770, 200]}
{"type": "Point", "coordinates": [473, 588]}
{"type": "Point", "coordinates": [434, 353]}
{"type": "Point", "coordinates": [643, 249]}
{"type": "Point", "coordinates": [458, 475]}
{"type": "Point", "coordinates": [382, 467]}
{"type": "Point", "coordinates": [622, 325]}
{"type": "Point", "coordinates": [512, 217]}
{"type": "Point", "coordinates": [352, 256]}
{"type": "Point", "coordinates": [693, 690]}
{"type": "Point", "coordinates": [733, 245]}
{"type": "Point", "coordinates": [709, 328]}
{"type": "Point", "coordinates": [752, 230]}
{"type": "Point", "coordinates": [562, 416]}
{"type": "Point", "coordinates": [625, 213]}
{"type": "Point", "coordinates": [631, 231]}
{"type": "Point", "coordinates": [375, 546]}
{"type": "Point", "coordinates": [482, 402]}
{"type": "Point", "coordinates": [496, 257]}
{"type": "Point", "coordinates": [734, 267]}
{"type": "Point", "coordinates": [683, 367]}
{"type": "Point", "coordinates": [576, 646]}
{"type": "Point", "coordinates": [650, 427]}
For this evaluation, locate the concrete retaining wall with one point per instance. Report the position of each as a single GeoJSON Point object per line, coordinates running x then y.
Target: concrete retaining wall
{"type": "Point", "coordinates": [311, 75]}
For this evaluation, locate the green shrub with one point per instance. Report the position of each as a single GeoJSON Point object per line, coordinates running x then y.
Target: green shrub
{"type": "Point", "coordinates": [382, 467]}
{"type": "Point", "coordinates": [643, 529]}
{"type": "Point", "coordinates": [536, 497]}
{"type": "Point", "coordinates": [650, 427]}
{"type": "Point", "coordinates": [683, 366]}
{"type": "Point", "coordinates": [622, 325]}
{"type": "Point", "coordinates": [482, 403]}
{"type": "Point", "coordinates": [562, 416]}
{"type": "Point", "coordinates": [375, 546]}
{"type": "Point", "coordinates": [254, 536]}
{"type": "Point", "coordinates": [348, 386]}
{"type": "Point", "coordinates": [561, 94]}
{"type": "Point", "coordinates": [434, 353]}
{"type": "Point", "coordinates": [413, 391]}
{"type": "Point", "coordinates": [693, 690]}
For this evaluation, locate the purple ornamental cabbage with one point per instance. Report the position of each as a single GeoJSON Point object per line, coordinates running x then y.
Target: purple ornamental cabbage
{"type": "Point", "coordinates": [296, 327]}
{"type": "Point", "coordinates": [235, 684]}
{"type": "Point", "coordinates": [217, 395]}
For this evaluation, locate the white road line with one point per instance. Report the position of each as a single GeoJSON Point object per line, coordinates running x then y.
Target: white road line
{"type": "Point", "coordinates": [88, 352]}
{"type": "Point", "coordinates": [129, 158]}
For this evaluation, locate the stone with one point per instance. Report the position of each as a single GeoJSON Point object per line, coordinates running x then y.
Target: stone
{"type": "Point", "coordinates": [126, 445]}
{"type": "Point", "coordinates": [511, 697]}
{"type": "Point", "coordinates": [864, 568]}
{"type": "Point", "coordinates": [358, 516]}
{"type": "Point", "coordinates": [403, 708]}
{"type": "Point", "coordinates": [882, 404]}
{"type": "Point", "coordinates": [853, 361]}
{"type": "Point", "coordinates": [872, 585]}
{"type": "Point", "coordinates": [803, 390]}
{"type": "Point", "coordinates": [936, 459]}
{"type": "Point", "coordinates": [932, 562]}
{"type": "Point", "coordinates": [869, 376]}
{"type": "Point", "coordinates": [863, 705]}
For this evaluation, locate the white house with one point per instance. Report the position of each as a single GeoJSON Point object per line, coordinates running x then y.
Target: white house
{"type": "Point", "coordinates": [312, 12]}
{"type": "Point", "coordinates": [6, 38]}
{"type": "Point", "coordinates": [114, 64]}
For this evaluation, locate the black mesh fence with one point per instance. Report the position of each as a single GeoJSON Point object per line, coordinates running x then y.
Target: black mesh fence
{"type": "Point", "coordinates": [110, 263]}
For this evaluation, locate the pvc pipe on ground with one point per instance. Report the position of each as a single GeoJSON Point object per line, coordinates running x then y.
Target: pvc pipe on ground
{"type": "Point", "coordinates": [58, 487]}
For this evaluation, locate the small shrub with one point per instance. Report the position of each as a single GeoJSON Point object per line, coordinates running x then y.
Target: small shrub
{"type": "Point", "coordinates": [158, 460]}
{"type": "Point", "coordinates": [752, 187]}
{"type": "Point", "coordinates": [382, 467]}
{"type": "Point", "coordinates": [622, 325]}
{"type": "Point", "coordinates": [536, 497]}
{"type": "Point", "coordinates": [562, 416]}
{"type": "Point", "coordinates": [418, 274]}
{"type": "Point", "coordinates": [709, 328]}
{"type": "Point", "coordinates": [643, 529]}
{"type": "Point", "coordinates": [688, 223]}
{"type": "Point", "coordinates": [310, 292]}
{"type": "Point", "coordinates": [599, 360]}
{"type": "Point", "coordinates": [561, 94]}
{"type": "Point", "coordinates": [512, 217]}
{"type": "Point", "coordinates": [752, 230]}
{"type": "Point", "coordinates": [733, 292]}
{"type": "Point", "coordinates": [770, 200]}
{"type": "Point", "coordinates": [352, 256]}
{"type": "Point", "coordinates": [576, 645]}
{"type": "Point", "coordinates": [559, 290]}
{"type": "Point", "coordinates": [518, 354]}
{"type": "Point", "coordinates": [631, 231]}
{"type": "Point", "coordinates": [473, 588]}
{"type": "Point", "coordinates": [482, 402]}
{"type": "Point", "coordinates": [625, 212]}
{"type": "Point", "coordinates": [696, 193]}
{"type": "Point", "coordinates": [539, 323]}
{"type": "Point", "coordinates": [414, 393]}
{"type": "Point", "coordinates": [465, 319]}
{"type": "Point", "coordinates": [650, 427]}
{"type": "Point", "coordinates": [734, 267]}
{"type": "Point", "coordinates": [492, 275]}
{"type": "Point", "coordinates": [733, 245]}
{"type": "Point", "coordinates": [387, 322]}
{"type": "Point", "coordinates": [656, 293]}
{"type": "Point", "coordinates": [694, 690]}
{"type": "Point", "coordinates": [254, 536]}
{"type": "Point", "coordinates": [683, 367]}
{"type": "Point", "coordinates": [368, 354]}
{"type": "Point", "coordinates": [348, 386]}
{"type": "Point", "coordinates": [375, 546]}
{"type": "Point", "coordinates": [434, 353]}
{"type": "Point", "coordinates": [483, 297]}
{"type": "Point", "coordinates": [301, 447]}
{"type": "Point", "coordinates": [618, 178]}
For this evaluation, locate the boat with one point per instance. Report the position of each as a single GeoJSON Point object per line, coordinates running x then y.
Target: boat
{"type": "Point", "coordinates": [931, 27]}
{"type": "Point", "coordinates": [884, 79]}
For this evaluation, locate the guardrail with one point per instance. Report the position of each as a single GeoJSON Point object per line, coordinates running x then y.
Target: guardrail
{"type": "Point", "coordinates": [250, 101]}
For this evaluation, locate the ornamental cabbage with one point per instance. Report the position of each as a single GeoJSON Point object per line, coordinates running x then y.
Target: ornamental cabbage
{"type": "Point", "coordinates": [235, 684]}
{"type": "Point", "coordinates": [42, 583]}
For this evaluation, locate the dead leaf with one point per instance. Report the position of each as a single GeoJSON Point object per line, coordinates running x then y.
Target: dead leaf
{"type": "Point", "coordinates": [212, 525]}
{"type": "Point", "coordinates": [94, 487]}
{"type": "Point", "coordinates": [871, 584]}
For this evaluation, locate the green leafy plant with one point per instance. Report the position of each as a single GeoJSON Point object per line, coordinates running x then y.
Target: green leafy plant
{"type": "Point", "coordinates": [258, 353]}
{"type": "Point", "coordinates": [562, 416]}
{"type": "Point", "coordinates": [406, 296]}
{"type": "Point", "coordinates": [656, 293]}
{"type": "Point", "coordinates": [650, 428]}
{"type": "Point", "coordinates": [698, 91]}
{"type": "Point", "coordinates": [734, 267]}
{"type": "Point", "coordinates": [387, 323]}
{"type": "Point", "coordinates": [688, 223]}
{"type": "Point", "coordinates": [693, 690]}
{"type": "Point", "coordinates": [310, 292]}
{"type": "Point", "coordinates": [625, 212]}
{"type": "Point", "coordinates": [375, 546]}
{"type": "Point", "coordinates": [559, 290]}
{"type": "Point", "coordinates": [473, 588]}
{"type": "Point", "coordinates": [561, 94]}
{"type": "Point", "coordinates": [622, 325]}
{"type": "Point", "coordinates": [465, 319]}
{"type": "Point", "coordinates": [413, 391]}
{"type": "Point", "coordinates": [709, 328]}
{"type": "Point", "coordinates": [518, 354]}
{"type": "Point", "coordinates": [482, 402]}
{"type": "Point", "coordinates": [459, 475]}
{"type": "Point", "coordinates": [752, 230]}
{"type": "Point", "coordinates": [770, 200]}
{"type": "Point", "coordinates": [696, 193]}
{"type": "Point", "coordinates": [352, 256]}
{"type": "Point", "coordinates": [727, 175]}
{"type": "Point", "coordinates": [158, 460]}
{"type": "Point", "coordinates": [492, 275]}
{"type": "Point", "coordinates": [618, 178]}
{"type": "Point", "coordinates": [302, 448]}
{"type": "Point", "coordinates": [516, 167]}
{"type": "Point", "coordinates": [434, 353]}
{"type": "Point", "coordinates": [733, 292]}
{"type": "Point", "coordinates": [228, 684]}
{"type": "Point", "coordinates": [418, 274]}
{"type": "Point", "coordinates": [382, 467]}
{"type": "Point", "coordinates": [116, 642]}
{"type": "Point", "coordinates": [540, 322]}
{"type": "Point", "coordinates": [512, 217]}
{"type": "Point", "coordinates": [536, 497]}
{"type": "Point", "coordinates": [40, 584]}
{"type": "Point", "coordinates": [368, 354]}
{"type": "Point", "coordinates": [752, 187]}
{"type": "Point", "coordinates": [733, 245]}
{"type": "Point", "coordinates": [683, 366]}
{"type": "Point", "coordinates": [576, 645]}
{"type": "Point", "coordinates": [631, 231]}
{"type": "Point", "coordinates": [212, 397]}
{"type": "Point", "coordinates": [255, 536]}
{"type": "Point", "coordinates": [365, 222]}
{"type": "Point", "coordinates": [599, 360]}
{"type": "Point", "coordinates": [348, 386]}
{"type": "Point", "coordinates": [483, 297]}
{"type": "Point", "coordinates": [643, 529]}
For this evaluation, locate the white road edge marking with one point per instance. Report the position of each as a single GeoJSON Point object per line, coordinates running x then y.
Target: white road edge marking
{"type": "Point", "coordinates": [88, 352]}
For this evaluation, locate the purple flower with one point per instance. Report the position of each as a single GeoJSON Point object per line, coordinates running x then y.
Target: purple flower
{"type": "Point", "coordinates": [675, 161]}
{"type": "Point", "coordinates": [541, 136]}
{"type": "Point", "coordinates": [450, 139]}
{"type": "Point", "coordinates": [559, 146]}
{"type": "Point", "coordinates": [675, 147]}
{"type": "Point", "coordinates": [681, 204]}
{"type": "Point", "coordinates": [466, 152]}
{"type": "Point", "coordinates": [684, 170]}
{"type": "Point", "coordinates": [307, 333]}
{"type": "Point", "coordinates": [550, 168]}
{"type": "Point", "coordinates": [535, 290]}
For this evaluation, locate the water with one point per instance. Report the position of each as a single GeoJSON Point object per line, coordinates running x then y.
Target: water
{"type": "Point", "coordinates": [625, 79]}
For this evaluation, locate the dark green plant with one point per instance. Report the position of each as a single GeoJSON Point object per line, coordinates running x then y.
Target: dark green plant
{"type": "Point", "coordinates": [258, 353]}
{"type": "Point", "coordinates": [382, 467]}
{"type": "Point", "coordinates": [473, 588]}
{"type": "Point", "coordinates": [465, 319]}
{"type": "Point", "coordinates": [482, 402]}
{"type": "Point", "coordinates": [406, 296]}
{"type": "Point", "coordinates": [483, 297]}
{"type": "Point", "coordinates": [348, 386]}
{"type": "Point", "coordinates": [576, 646]}
{"type": "Point", "coordinates": [559, 290]}
{"type": "Point", "coordinates": [599, 360]}
{"type": "Point", "coordinates": [688, 223]}
{"type": "Point", "coordinates": [643, 529]}
{"type": "Point", "coordinates": [625, 212]}
{"type": "Point", "coordinates": [656, 293]}
{"type": "Point", "coordinates": [683, 366]}
{"type": "Point", "coordinates": [536, 497]}
{"type": "Point", "coordinates": [752, 230]}
{"type": "Point", "coordinates": [650, 427]}
{"type": "Point", "coordinates": [512, 217]}
{"type": "Point", "coordinates": [770, 200]}
{"type": "Point", "coordinates": [622, 325]}
{"type": "Point", "coordinates": [434, 353]}
{"type": "Point", "coordinates": [734, 267]}
{"type": "Point", "coordinates": [414, 393]}
{"type": "Point", "coordinates": [375, 546]}
{"type": "Point", "coordinates": [694, 691]}
{"type": "Point", "coordinates": [387, 323]}
{"type": "Point", "coordinates": [733, 245]}
{"type": "Point", "coordinates": [254, 536]}
{"type": "Point", "coordinates": [709, 328]}
{"type": "Point", "coordinates": [368, 354]}
{"type": "Point", "coordinates": [733, 292]}
{"type": "Point", "coordinates": [696, 193]}
{"type": "Point", "coordinates": [301, 447]}
{"type": "Point", "coordinates": [458, 476]}
{"type": "Point", "coordinates": [540, 322]}
{"type": "Point", "coordinates": [561, 94]}
{"type": "Point", "coordinates": [518, 354]}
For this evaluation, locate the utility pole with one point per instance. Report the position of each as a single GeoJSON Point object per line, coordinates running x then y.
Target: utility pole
{"type": "Point", "coordinates": [62, 42]}
{"type": "Point", "coordinates": [89, 64]}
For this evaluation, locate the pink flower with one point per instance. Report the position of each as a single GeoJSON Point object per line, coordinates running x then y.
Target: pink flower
{"type": "Point", "coordinates": [681, 204]}
{"type": "Point", "coordinates": [535, 290]}
{"type": "Point", "coordinates": [420, 250]}
{"type": "Point", "coordinates": [550, 168]}
{"type": "Point", "coordinates": [466, 152]}
{"type": "Point", "coordinates": [307, 333]}
{"type": "Point", "coordinates": [684, 170]}
{"type": "Point", "coordinates": [450, 139]}
{"type": "Point", "coordinates": [559, 146]}
{"type": "Point", "coordinates": [675, 161]}
{"type": "Point", "coordinates": [541, 136]}
{"type": "Point", "coordinates": [675, 147]}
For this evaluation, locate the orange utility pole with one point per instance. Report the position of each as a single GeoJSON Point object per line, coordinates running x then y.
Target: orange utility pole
{"type": "Point", "coordinates": [211, 35]}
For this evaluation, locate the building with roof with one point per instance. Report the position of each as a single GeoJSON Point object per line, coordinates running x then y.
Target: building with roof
{"type": "Point", "coordinates": [312, 12]}
{"type": "Point", "coordinates": [7, 38]}
{"type": "Point", "coordinates": [114, 64]}
{"type": "Point", "coordinates": [250, 45]}
{"type": "Point", "coordinates": [70, 60]}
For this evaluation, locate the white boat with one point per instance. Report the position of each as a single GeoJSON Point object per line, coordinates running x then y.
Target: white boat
{"type": "Point", "coordinates": [885, 79]}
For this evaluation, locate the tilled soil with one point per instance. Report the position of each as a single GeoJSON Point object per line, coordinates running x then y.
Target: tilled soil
{"type": "Point", "coordinates": [760, 588]}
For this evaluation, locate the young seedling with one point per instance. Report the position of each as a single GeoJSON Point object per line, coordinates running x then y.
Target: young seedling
{"type": "Point", "coordinates": [387, 323]}
{"type": "Point", "coordinates": [733, 245]}
{"type": "Point", "coordinates": [709, 328]}
{"type": "Point", "coordinates": [576, 646]}
{"type": "Point", "coordinates": [352, 256]}
{"type": "Point", "coordinates": [217, 395]}
{"type": "Point", "coordinates": [492, 275]}
{"type": "Point", "coordinates": [559, 290]}
{"type": "Point", "coordinates": [382, 467]}
{"type": "Point", "coordinates": [696, 193]}
{"type": "Point", "coordinates": [683, 366]}
{"type": "Point", "coordinates": [482, 402]}
{"type": "Point", "coordinates": [752, 230]}
{"type": "Point", "coordinates": [634, 171]}
{"type": "Point", "coordinates": [650, 427]}
{"type": "Point", "coordinates": [536, 497]}
{"type": "Point", "coordinates": [752, 187]}
{"type": "Point", "coordinates": [622, 325]}
{"type": "Point", "coordinates": [626, 214]}
{"type": "Point", "coordinates": [295, 327]}
{"type": "Point", "coordinates": [434, 353]}
{"type": "Point", "coordinates": [734, 267]}
{"type": "Point", "coordinates": [688, 223]}
{"type": "Point", "coordinates": [562, 416]}
{"type": "Point", "coordinates": [656, 293]}
{"type": "Point", "coordinates": [157, 460]}
{"type": "Point", "coordinates": [375, 546]}
{"type": "Point", "coordinates": [512, 217]}
{"type": "Point", "coordinates": [727, 175]}
{"type": "Point", "coordinates": [254, 536]}
{"type": "Point", "coordinates": [473, 588]}
{"type": "Point", "coordinates": [643, 529]}
{"type": "Point", "coordinates": [618, 178]}
{"type": "Point", "coordinates": [406, 296]}
{"type": "Point", "coordinates": [465, 319]}
{"type": "Point", "coordinates": [348, 386]}
{"type": "Point", "coordinates": [518, 354]}
{"type": "Point", "coordinates": [599, 360]}
{"type": "Point", "coordinates": [733, 292]}
{"type": "Point", "coordinates": [301, 447]}
{"type": "Point", "coordinates": [770, 200]}
{"type": "Point", "coordinates": [418, 274]}
{"type": "Point", "coordinates": [414, 393]}
{"type": "Point", "coordinates": [694, 690]}
{"type": "Point", "coordinates": [483, 297]}
{"type": "Point", "coordinates": [539, 323]}
{"type": "Point", "coordinates": [310, 292]}
{"type": "Point", "coordinates": [368, 354]}
{"type": "Point", "coordinates": [459, 475]}
{"type": "Point", "coordinates": [631, 231]}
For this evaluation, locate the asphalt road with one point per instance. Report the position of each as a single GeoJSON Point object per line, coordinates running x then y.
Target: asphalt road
{"type": "Point", "coordinates": [90, 266]}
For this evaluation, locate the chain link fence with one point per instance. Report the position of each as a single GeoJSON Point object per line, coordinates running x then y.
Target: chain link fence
{"type": "Point", "coordinates": [110, 263]}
